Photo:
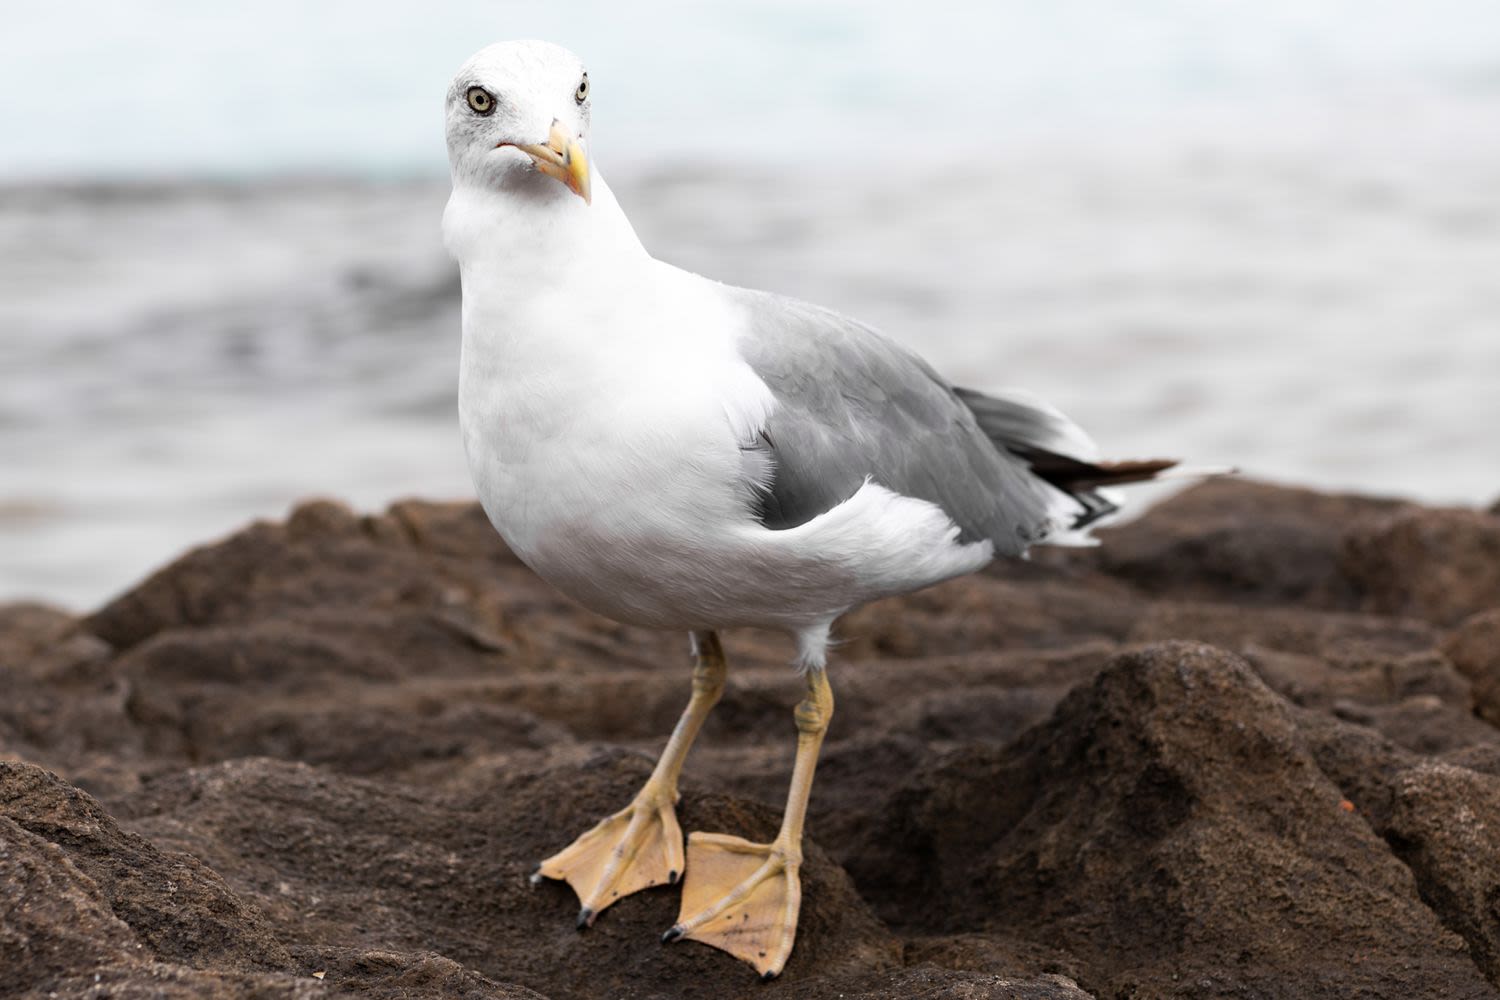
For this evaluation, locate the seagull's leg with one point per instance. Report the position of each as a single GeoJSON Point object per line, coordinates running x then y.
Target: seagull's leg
{"type": "Point", "coordinates": [641, 845]}
{"type": "Point", "coordinates": [743, 897]}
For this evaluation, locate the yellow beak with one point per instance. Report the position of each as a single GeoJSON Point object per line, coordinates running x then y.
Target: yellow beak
{"type": "Point", "coordinates": [562, 157]}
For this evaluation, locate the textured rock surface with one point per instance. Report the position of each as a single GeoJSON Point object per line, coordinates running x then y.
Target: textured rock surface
{"type": "Point", "coordinates": [1244, 749]}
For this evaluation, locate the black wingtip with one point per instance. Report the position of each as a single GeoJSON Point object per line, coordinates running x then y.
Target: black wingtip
{"type": "Point", "coordinates": [585, 918]}
{"type": "Point", "coordinates": [672, 933]}
{"type": "Point", "coordinates": [1095, 506]}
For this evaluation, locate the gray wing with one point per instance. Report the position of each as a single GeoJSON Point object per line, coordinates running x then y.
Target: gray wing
{"type": "Point", "coordinates": [852, 405]}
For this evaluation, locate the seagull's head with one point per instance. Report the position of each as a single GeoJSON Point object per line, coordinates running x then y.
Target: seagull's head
{"type": "Point", "coordinates": [518, 119]}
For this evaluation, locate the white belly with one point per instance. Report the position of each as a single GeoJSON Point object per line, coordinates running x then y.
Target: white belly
{"type": "Point", "coordinates": [598, 505]}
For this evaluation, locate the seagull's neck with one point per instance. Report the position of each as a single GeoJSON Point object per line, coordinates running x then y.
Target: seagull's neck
{"type": "Point", "coordinates": [542, 273]}
{"type": "Point", "coordinates": [517, 241]}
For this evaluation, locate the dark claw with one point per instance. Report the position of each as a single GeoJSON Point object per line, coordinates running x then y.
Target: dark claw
{"type": "Point", "coordinates": [766, 977]}
{"type": "Point", "coordinates": [672, 877]}
{"type": "Point", "coordinates": [673, 933]}
{"type": "Point", "coordinates": [585, 918]}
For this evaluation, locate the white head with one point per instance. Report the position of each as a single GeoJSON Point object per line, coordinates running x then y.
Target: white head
{"type": "Point", "coordinates": [518, 120]}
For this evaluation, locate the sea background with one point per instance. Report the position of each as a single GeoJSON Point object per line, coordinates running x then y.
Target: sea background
{"type": "Point", "coordinates": [1263, 233]}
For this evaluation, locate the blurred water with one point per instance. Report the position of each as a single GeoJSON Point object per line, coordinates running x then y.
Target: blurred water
{"type": "Point", "coordinates": [1262, 234]}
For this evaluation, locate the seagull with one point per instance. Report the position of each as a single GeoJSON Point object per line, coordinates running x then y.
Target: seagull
{"type": "Point", "coordinates": [676, 453]}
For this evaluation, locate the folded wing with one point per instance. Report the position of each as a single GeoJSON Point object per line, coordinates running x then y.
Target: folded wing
{"type": "Point", "coordinates": [853, 406]}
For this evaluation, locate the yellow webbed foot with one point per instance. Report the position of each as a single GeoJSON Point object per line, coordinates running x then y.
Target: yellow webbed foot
{"type": "Point", "coordinates": [637, 848]}
{"type": "Point", "coordinates": [742, 898]}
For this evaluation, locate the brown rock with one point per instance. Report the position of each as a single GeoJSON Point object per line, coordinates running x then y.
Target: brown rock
{"type": "Point", "coordinates": [27, 629]}
{"type": "Point", "coordinates": [931, 983]}
{"type": "Point", "coordinates": [1167, 827]}
{"type": "Point", "coordinates": [391, 975]}
{"type": "Point", "coordinates": [1363, 763]}
{"type": "Point", "coordinates": [58, 699]}
{"type": "Point", "coordinates": [1293, 630]}
{"type": "Point", "coordinates": [340, 862]}
{"type": "Point", "coordinates": [173, 904]}
{"type": "Point", "coordinates": [64, 933]}
{"type": "Point", "coordinates": [1231, 539]}
{"type": "Point", "coordinates": [312, 694]}
{"type": "Point", "coordinates": [93, 915]}
{"type": "Point", "coordinates": [1474, 648]}
{"type": "Point", "coordinates": [52, 917]}
{"type": "Point", "coordinates": [1174, 815]}
{"type": "Point", "coordinates": [1417, 699]}
{"type": "Point", "coordinates": [1011, 606]}
{"type": "Point", "coordinates": [1441, 565]}
{"type": "Point", "coordinates": [1444, 827]}
{"type": "Point", "coordinates": [993, 952]}
{"type": "Point", "coordinates": [321, 559]}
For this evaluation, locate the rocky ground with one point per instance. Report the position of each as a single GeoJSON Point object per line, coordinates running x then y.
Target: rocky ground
{"type": "Point", "coordinates": [1245, 749]}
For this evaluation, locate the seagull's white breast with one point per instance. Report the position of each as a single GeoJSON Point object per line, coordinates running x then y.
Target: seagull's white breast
{"type": "Point", "coordinates": [602, 417]}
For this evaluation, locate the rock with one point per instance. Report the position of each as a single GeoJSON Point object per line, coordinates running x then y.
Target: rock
{"type": "Point", "coordinates": [341, 862]}
{"type": "Point", "coordinates": [391, 975]}
{"type": "Point", "coordinates": [1441, 565]}
{"type": "Point", "coordinates": [928, 983]}
{"type": "Point", "coordinates": [1417, 699]}
{"type": "Point", "coordinates": [1444, 826]}
{"type": "Point", "coordinates": [173, 905]}
{"type": "Point", "coordinates": [1474, 648]}
{"type": "Point", "coordinates": [52, 917]}
{"type": "Point", "coordinates": [1363, 763]}
{"type": "Point", "coordinates": [1010, 606]}
{"type": "Point", "coordinates": [1166, 827]}
{"type": "Point", "coordinates": [321, 559]}
{"type": "Point", "coordinates": [27, 629]}
{"type": "Point", "coordinates": [1323, 634]}
{"type": "Point", "coordinates": [89, 911]}
{"type": "Point", "coordinates": [1422, 723]}
{"type": "Point", "coordinates": [338, 744]}
{"type": "Point", "coordinates": [1230, 539]}
{"type": "Point", "coordinates": [318, 697]}
{"type": "Point", "coordinates": [58, 697]}
{"type": "Point", "coordinates": [992, 952]}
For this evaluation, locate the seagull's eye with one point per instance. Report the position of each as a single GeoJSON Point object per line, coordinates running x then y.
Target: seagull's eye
{"type": "Point", "coordinates": [582, 93]}
{"type": "Point", "coordinates": [481, 100]}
